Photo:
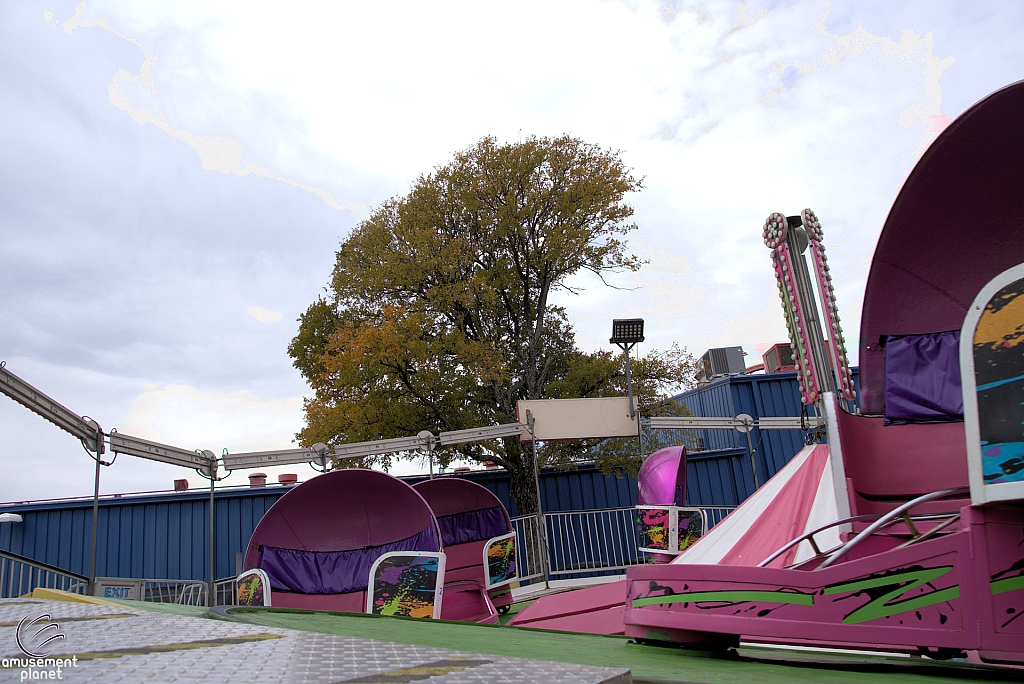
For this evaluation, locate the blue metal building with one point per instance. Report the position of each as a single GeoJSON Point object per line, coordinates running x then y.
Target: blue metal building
{"type": "Point", "coordinates": [719, 471]}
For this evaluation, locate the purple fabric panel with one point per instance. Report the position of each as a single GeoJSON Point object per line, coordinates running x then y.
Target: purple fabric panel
{"type": "Point", "coordinates": [471, 526]}
{"type": "Point", "coordinates": [922, 379]}
{"type": "Point", "coordinates": [333, 572]}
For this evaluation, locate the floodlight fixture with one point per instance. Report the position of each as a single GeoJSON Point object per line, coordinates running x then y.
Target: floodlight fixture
{"type": "Point", "coordinates": [209, 471]}
{"type": "Point", "coordinates": [260, 459]}
{"type": "Point", "coordinates": [627, 331]}
{"type": "Point", "coordinates": [482, 434]}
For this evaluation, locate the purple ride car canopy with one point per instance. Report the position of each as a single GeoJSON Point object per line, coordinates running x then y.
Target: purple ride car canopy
{"type": "Point", "coordinates": [465, 511]}
{"type": "Point", "coordinates": [662, 478]}
{"type": "Point", "coordinates": [323, 535]}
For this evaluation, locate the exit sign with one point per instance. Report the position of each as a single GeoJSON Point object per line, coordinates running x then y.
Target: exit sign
{"type": "Point", "coordinates": [118, 588]}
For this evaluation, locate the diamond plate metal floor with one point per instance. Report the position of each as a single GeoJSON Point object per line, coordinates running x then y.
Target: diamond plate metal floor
{"type": "Point", "coordinates": [109, 644]}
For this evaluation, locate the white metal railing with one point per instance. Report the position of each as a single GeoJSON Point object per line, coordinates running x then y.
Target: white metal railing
{"type": "Point", "coordinates": [224, 592]}
{"type": "Point", "coordinates": [716, 514]}
{"type": "Point", "coordinates": [182, 592]}
{"type": "Point", "coordinates": [529, 547]}
{"type": "Point", "coordinates": [602, 541]}
{"type": "Point", "coordinates": [588, 541]}
{"type": "Point", "coordinates": [20, 576]}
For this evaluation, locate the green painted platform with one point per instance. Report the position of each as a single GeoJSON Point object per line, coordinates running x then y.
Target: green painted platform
{"type": "Point", "coordinates": [647, 663]}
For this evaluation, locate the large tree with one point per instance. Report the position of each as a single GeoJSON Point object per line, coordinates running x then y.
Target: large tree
{"type": "Point", "coordinates": [438, 314]}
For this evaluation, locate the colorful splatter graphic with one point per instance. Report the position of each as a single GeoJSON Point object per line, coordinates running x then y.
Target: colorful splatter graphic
{"type": "Point", "coordinates": [250, 588]}
{"type": "Point", "coordinates": [999, 375]}
{"type": "Point", "coordinates": [691, 528]}
{"type": "Point", "coordinates": [653, 527]}
{"type": "Point", "coordinates": [407, 585]}
{"type": "Point", "coordinates": [501, 560]}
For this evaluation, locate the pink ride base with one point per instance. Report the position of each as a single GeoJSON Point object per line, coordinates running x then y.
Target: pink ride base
{"type": "Point", "coordinates": [961, 591]}
{"type": "Point", "coordinates": [594, 610]}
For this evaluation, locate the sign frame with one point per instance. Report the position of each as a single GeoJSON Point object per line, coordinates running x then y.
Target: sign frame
{"type": "Point", "coordinates": [371, 588]}
{"type": "Point", "coordinates": [127, 588]}
{"type": "Point", "coordinates": [566, 419]}
{"type": "Point", "coordinates": [982, 493]}
{"type": "Point", "coordinates": [487, 566]}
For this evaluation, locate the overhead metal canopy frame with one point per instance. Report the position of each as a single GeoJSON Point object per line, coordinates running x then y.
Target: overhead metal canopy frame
{"type": "Point", "coordinates": [92, 437]}
{"type": "Point", "coordinates": [205, 462]}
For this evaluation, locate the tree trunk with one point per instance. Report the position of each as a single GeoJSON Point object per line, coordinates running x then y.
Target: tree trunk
{"type": "Point", "coordinates": [523, 486]}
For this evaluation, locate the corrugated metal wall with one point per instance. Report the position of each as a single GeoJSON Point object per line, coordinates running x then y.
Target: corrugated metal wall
{"type": "Point", "coordinates": [156, 536]}
{"type": "Point", "coordinates": [723, 475]}
{"type": "Point", "coordinates": [165, 536]}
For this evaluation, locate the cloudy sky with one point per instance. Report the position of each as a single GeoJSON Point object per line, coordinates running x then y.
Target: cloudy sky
{"type": "Point", "coordinates": [175, 178]}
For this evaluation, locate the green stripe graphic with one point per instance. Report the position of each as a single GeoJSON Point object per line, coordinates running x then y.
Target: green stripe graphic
{"type": "Point", "coordinates": [1009, 584]}
{"type": "Point", "coordinates": [729, 596]}
{"type": "Point", "coordinates": [880, 607]}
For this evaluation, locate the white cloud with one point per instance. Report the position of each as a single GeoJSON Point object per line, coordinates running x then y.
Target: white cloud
{"type": "Point", "coordinates": [216, 153]}
{"type": "Point", "coordinates": [264, 315]}
{"type": "Point", "coordinates": [913, 52]}
{"type": "Point", "coordinates": [191, 418]}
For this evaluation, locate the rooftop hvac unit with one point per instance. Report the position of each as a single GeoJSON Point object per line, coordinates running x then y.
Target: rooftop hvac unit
{"type": "Point", "coordinates": [779, 359]}
{"type": "Point", "coordinates": [721, 361]}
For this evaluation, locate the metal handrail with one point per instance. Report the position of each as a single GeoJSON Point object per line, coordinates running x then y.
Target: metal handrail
{"type": "Point", "coordinates": [588, 541]}
{"type": "Point", "coordinates": [31, 574]}
{"type": "Point", "coordinates": [932, 532]}
{"type": "Point", "coordinates": [224, 592]}
{"type": "Point", "coordinates": [810, 535]}
{"type": "Point", "coordinates": [180, 591]}
{"type": "Point", "coordinates": [41, 565]}
{"type": "Point", "coordinates": [887, 519]}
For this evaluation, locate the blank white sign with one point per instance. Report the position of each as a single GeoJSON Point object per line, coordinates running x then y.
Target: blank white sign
{"type": "Point", "coordinates": [579, 418]}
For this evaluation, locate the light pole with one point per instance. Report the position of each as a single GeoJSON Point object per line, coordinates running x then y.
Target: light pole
{"type": "Point", "coordinates": [626, 334]}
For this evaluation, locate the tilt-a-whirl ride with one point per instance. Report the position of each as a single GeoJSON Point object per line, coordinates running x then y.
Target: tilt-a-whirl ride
{"type": "Point", "coordinates": [905, 531]}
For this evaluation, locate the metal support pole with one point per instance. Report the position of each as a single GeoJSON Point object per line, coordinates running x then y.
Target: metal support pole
{"type": "Point", "coordinates": [640, 437]}
{"type": "Point", "coordinates": [97, 449]}
{"type": "Point", "coordinates": [213, 588]}
{"type": "Point", "coordinates": [629, 379]}
{"type": "Point", "coordinates": [211, 472]}
{"type": "Point", "coordinates": [428, 443]}
{"type": "Point", "coordinates": [746, 426]}
{"type": "Point", "coordinates": [541, 522]}
{"type": "Point", "coordinates": [95, 514]}
{"type": "Point", "coordinates": [626, 348]}
{"type": "Point", "coordinates": [753, 463]}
